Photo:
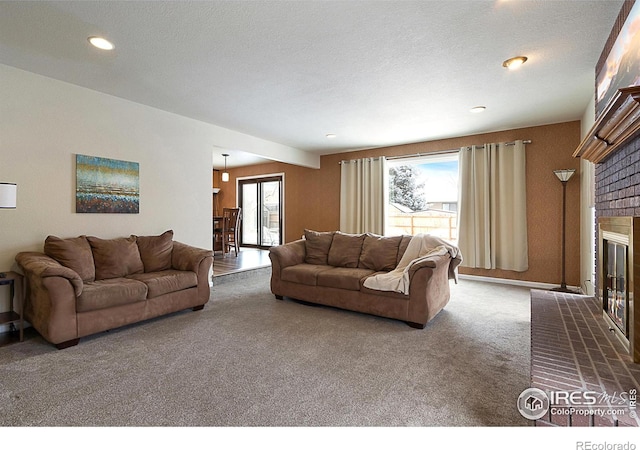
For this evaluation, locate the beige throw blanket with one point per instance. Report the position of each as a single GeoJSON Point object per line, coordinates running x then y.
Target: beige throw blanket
{"type": "Point", "coordinates": [421, 247]}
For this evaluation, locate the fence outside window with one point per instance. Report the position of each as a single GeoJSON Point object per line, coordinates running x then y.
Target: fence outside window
{"type": "Point", "coordinates": [437, 223]}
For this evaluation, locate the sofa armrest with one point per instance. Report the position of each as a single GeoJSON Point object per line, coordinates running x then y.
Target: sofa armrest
{"type": "Point", "coordinates": [187, 257]}
{"type": "Point", "coordinates": [52, 291]}
{"type": "Point", "coordinates": [288, 254]}
{"type": "Point", "coordinates": [194, 259]}
{"type": "Point", "coordinates": [431, 262]}
{"type": "Point", "coordinates": [35, 264]}
{"type": "Point", "coordinates": [429, 291]}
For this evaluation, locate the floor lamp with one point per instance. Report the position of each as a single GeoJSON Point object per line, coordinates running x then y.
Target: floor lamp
{"type": "Point", "coordinates": [8, 195]}
{"type": "Point", "coordinates": [564, 175]}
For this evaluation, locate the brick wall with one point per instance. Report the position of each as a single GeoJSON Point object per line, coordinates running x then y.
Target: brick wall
{"type": "Point", "coordinates": [617, 181]}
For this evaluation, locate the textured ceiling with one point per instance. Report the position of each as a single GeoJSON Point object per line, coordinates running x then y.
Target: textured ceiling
{"type": "Point", "coordinates": [375, 73]}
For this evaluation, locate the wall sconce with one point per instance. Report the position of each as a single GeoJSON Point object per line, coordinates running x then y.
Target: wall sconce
{"type": "Point", "coordinates": [8, 195]}
{"type": "Point", "coordinates": [225, 174]}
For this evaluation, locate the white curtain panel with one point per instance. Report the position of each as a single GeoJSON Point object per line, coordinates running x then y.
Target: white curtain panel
{"type": "Point", "coordinates": [492, 220]}
{"type": "Point", "coordinates": [363, 195]}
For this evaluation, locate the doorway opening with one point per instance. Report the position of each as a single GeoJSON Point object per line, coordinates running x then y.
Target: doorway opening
{"type": "Point", "coordinates": [261, 200]}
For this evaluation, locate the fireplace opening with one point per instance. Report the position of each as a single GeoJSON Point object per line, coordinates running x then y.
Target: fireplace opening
{"type": "Point", "coordinates": [616, 294]}
{"type": "Point", "coordinates": [618, 277]}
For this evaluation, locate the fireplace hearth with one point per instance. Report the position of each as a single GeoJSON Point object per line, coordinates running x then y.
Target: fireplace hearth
{"type": "Point", "coordinates": [618, 278]}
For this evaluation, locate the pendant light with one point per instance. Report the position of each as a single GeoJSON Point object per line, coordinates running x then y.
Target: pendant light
{"type": "Point", "coordinates": [225, 174]}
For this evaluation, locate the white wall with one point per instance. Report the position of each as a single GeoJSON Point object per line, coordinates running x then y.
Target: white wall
{"type": "Point", "coordinates": [44, 123]}
{"type": "Point", "coordinates": [587, 209]}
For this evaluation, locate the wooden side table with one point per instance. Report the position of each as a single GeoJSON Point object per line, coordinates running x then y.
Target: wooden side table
{"type": "Point", "coordinates": [12, 317]}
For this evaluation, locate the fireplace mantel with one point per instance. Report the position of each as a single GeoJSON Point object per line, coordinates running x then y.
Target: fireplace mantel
{"type": "Point", "coordinates": [619, 121]}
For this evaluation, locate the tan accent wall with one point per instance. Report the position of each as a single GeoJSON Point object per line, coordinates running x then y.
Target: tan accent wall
{"type": "Point", "coordinates": [312, 196]}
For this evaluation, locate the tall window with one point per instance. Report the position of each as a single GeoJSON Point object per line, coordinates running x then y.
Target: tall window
{"type": "Point", "coordinates": [261, 203]}
{"type": "Point", "coordinates": [423, 196]}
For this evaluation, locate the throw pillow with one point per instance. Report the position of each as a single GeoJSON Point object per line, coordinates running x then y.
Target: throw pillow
{"type": "Point", "coordinates": [380, 252]}
{"type": "Point", "coordinates": [317, 245]}
{"type": "Point", "coordinates": [115, 258]}
{"type": "Point", "coordinates": [73, 253]}
{"type": "Point", "coordinates": [155, 251]}
{"type": "Point", "coordinates": [345, 249]}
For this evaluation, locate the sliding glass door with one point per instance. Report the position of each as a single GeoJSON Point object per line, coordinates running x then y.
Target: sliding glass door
{"type": "Point", "coordinates": [261, 203]}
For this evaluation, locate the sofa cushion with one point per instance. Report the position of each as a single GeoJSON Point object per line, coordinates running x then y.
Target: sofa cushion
{"type": "Point", "coordinates": [115, 258]}
{"type": "Point", "coordinates": [155, 251]}
{"type": "Point", "coordinates": [160, 283]}
{"type": "Point", "coordinates": [343, 278]}
{"type": "Point", "coordinates": [345, 249]}
{"type": "Point", "coordinates": [380, 252]}
{"type": "Point", "coordinates": [303, 273]}
{"type": "Point", "coordinates": [102, 294]}
{"type": "Point", "coordinates": [73, 253]}
{"type": "Point", "coordinates": [317, 246]}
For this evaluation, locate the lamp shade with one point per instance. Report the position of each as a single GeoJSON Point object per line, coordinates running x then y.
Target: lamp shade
{"type": "Point", "coordinates": [8, 195]}
{"type": "Point", "coordinates": [225, 176]}
{"type": "Point", "coordinates": [564, 174]}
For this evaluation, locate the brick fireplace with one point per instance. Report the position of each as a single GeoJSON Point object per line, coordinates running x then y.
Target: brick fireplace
{"type": "Point", "coordinates": [617, 183]}
{"type": "Point", "coordinates": [613, 144]}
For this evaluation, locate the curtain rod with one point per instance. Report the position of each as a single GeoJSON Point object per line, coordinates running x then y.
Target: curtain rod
{"type": "Point", "coordinates": [444, 152]}
{"type": "Point", "coordinates": [347, 161]}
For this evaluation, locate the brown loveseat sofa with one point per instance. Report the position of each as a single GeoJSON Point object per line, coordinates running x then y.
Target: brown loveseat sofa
{"type": "Point", "coordinates": [331, 268]}
{"type": "Point", "coordinates": [85, 285]}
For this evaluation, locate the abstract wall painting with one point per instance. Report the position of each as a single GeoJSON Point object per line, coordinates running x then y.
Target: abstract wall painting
{"type": "Point", "coordinates": [107, 185]}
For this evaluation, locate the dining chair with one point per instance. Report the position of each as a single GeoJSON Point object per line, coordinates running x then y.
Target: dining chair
{"type": "Point", "coordinates": [229, 230]}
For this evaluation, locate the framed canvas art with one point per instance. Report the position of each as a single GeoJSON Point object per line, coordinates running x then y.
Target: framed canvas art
{"type": "Point", "coordinates": [622, 66]}
{"type": "Point", "coordinates": [107, 185]}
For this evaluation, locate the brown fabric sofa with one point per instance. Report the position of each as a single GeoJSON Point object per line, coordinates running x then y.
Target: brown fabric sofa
{"type": "Point", "coordinates": [330, 268]}
{"type": "Point", "coordinates": [85, 285]}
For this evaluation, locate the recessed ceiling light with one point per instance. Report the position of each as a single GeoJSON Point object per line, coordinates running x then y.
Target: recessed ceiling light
{"type": "Point", "coordinates": [101, 43]}
{"type": "Point", "coordinates": [478, 109]}
{"type": "Point", "coordinates": [330, 136]}
{"type": "Point", "coordinates": [515, 62]}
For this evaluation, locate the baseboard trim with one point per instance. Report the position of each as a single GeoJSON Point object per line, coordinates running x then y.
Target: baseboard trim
{"type": "Point", "coordinates": [523, 283]}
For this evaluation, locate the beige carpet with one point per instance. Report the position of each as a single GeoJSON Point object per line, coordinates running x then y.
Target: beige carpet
{"type": "Point", "coordinates": [250, 360]}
